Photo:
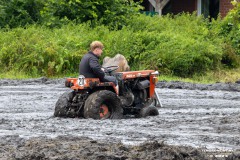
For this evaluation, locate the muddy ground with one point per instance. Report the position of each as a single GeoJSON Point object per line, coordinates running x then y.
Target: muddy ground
{"type": "Point", "coordinates": [195, 122]}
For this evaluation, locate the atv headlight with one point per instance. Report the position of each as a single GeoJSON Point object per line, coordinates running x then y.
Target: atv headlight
{"type": "Point", "coordinates": [81, 80]}
{"type": "Point", "coordinates": [155, 73]}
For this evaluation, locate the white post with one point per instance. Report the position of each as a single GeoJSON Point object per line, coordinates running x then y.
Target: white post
{"type": "Point", "coordinates": [159, 5]}
{"type": "Point", "coordinates": [153, 2]}
{"type": "Point", "coordinates": [199, 7]}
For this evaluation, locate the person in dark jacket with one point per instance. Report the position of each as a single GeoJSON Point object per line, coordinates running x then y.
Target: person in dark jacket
{"type": "Point", "coordinates": [89, 66]}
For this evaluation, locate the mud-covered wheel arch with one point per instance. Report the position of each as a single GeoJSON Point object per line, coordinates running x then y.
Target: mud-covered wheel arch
{"type": "Point", "coordinates": [150, 110]}
{"type": "Point", "coordinates": [102, 105]}
{"type": "Point", "coordinates": [62, 104]}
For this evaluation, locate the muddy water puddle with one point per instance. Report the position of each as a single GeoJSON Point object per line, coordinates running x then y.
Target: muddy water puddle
{"type": "Point", "coordinates": [201, 119]}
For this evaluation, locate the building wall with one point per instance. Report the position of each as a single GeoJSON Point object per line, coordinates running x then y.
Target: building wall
{"type": "Point", "coordinates": [178, 6]}
{"type": "Point", "coordinates": [225, 6]}
{"type": "Point", "coordinates": [147, 5]}
{"type": "Point", "coordinates": [183, 6]}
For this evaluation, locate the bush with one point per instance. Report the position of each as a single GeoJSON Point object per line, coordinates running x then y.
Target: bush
{"type": "Point", "coordinates": [41, 51]}
{"type": "Point", "coordinates": [55, 13]}
{"type": "Point", "coordinates": [230, 58]}
{"type": "Point", "coordinates": [231, 27]}
{"type": "Point", "coordinates": [181, 45]}
{"type": "Point", "coordinates": [15, 13]}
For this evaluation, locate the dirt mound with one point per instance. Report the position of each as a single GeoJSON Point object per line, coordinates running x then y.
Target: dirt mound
{"type": "Point", "coordinates": [85, 148]}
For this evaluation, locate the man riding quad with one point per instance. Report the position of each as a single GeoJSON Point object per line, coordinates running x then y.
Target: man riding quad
{"type": "Point", "coordinates": [101, 93]}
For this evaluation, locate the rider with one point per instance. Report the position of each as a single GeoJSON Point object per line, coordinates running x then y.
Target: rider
{"type": "Point", "coordinates": [90, 67]}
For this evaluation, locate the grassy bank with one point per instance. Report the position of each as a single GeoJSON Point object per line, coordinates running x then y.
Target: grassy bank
{"type": "Point", "coordinates": [223, 76]}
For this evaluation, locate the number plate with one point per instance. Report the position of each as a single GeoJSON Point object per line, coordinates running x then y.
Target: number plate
{"type": "Point", "coordinates": [81, 80]}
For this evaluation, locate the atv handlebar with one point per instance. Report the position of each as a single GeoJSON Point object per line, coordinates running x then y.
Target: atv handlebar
{"type": "Point", "coordinates": [110, 69]}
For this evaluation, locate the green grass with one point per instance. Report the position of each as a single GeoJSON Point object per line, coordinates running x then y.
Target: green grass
{"type": "Point", "coordinates": [15, 75]}
{"type": "Point", "coordinates": [22, 75]}
{"type": "Point", "coordinates": [223, 75]}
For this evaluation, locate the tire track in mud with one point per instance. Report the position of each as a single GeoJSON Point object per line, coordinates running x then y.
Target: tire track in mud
{"type": "Point", "coordinates": [198, 118]}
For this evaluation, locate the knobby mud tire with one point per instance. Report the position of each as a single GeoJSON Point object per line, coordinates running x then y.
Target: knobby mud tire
{"type": "Point", "coordinates": [62, 105]}
{"type": "Point", "coordinates": [98, 98]}
{"type": "Point", "coordinates": [148, 111]}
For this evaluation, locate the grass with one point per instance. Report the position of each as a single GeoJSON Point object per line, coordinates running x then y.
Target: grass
{"type": "Point", "coordinates": [224, 76]}
{"type": "Point", "coordinates": [21, 75]}
{"type": "Point", "coordinates": [15, 75]}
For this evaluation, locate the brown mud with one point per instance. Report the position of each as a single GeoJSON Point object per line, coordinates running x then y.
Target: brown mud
{"type": "Point", "coordinates": [195, 122]}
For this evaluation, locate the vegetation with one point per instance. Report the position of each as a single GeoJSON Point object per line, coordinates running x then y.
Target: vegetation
{"type": "Point", "coordinates": [49, 39]}
{"type": "Point", "coordinates": [55, 13]}
{"type": "Point", "coordinates": [19, 13]}
{"type": "Point", "coordinates": [230, 30]}
{"type": "Point", "coordinates": [221, 75]}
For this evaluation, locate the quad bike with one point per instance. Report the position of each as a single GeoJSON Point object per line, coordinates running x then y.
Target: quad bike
{"type": "Point", "coordinates": [90, 98]}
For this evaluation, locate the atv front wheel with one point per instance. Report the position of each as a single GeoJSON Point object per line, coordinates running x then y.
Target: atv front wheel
{"type": "Point", "coordinates": [103, 104]}
{"type": "Point", "coordinates": [62, 105]}
{"type": "Point", "coordinates": [148, 111]}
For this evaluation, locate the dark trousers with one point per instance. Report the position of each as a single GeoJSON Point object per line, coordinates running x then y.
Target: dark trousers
{"type": "Point", "coordinates": [110, 79]}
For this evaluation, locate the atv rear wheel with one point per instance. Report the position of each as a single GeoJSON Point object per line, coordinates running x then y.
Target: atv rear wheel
{"type": "Point", "coordinates": [148, 111]}
{"type": "Point", "coordinates": [62, 105]}
{"type": "Point", "coordinates": [103, 104]}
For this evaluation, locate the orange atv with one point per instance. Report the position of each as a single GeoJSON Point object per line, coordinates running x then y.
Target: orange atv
{"type": "Point", "coordinates": [91, 98]}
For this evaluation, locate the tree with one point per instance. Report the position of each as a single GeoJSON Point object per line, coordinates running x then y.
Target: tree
{"type": "Point", "coordinates": [14, 13]}
{"type": "Point", "coordinates": [108, 12]}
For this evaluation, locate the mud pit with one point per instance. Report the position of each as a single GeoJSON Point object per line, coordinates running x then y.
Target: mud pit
{"type": "Point", "coordinates": [196, 123]}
